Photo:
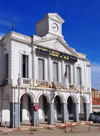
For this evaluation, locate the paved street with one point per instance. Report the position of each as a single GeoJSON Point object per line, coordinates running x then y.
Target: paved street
{"type": "Point", "coordinates": [80, 130]}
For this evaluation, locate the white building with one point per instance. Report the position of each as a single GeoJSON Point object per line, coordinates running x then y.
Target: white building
{"type": "Point", "coordinates": [29, 66]}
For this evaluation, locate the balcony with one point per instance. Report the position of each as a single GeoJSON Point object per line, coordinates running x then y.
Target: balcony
{"type": "Point", "coordinates": [80, 88]}
{"type": "Point", "coordinates": [25, 81]}
{"type": "Point", "coordinates": [42, 83]}
{"type": "Point", "coordinates": [71, 87]}
{"type": "Point", "coordinates": [56, 85]}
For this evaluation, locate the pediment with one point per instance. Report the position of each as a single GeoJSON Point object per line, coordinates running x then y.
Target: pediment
{"type": "Point", "coordinates": [58, 45]}
{"type": "Point", "coordinates": [55, 16]}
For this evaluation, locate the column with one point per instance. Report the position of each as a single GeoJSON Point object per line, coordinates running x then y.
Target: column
{"type": "Point", "coordinates": [59, 72]}
{"type": "Point", "coordinates": [64, 112]}
{"type": "Point", "coordinates": [14, 115]}
{"type": "Point", "coordinates": [45, 70]}
{"type": "Point", "coordinates": [51, 118]}
{"type": "Point", "coordinates": [86, 111]}
{"type": "Point", "coordinates": [34, 66]}
{"type": "Point", "coordinates": [75, 75]}
{"type": "Point", "coordinates": [34, 114]}
{"type": "Point", "coordinates": [76, 111]}
{"type": "Point", "coordinates": [49, 70]}
{"type": "Point", "coordinates": [71, 73]}
{"type": "Point", "coordinates": [62, 69]}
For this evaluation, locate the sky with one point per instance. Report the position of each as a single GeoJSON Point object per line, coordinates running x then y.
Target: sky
{"type": "Point", "coordinates": [81, 29]}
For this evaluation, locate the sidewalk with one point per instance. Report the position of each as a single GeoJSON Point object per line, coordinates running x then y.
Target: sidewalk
{"type": "Point", "coordinates": [27, 126]}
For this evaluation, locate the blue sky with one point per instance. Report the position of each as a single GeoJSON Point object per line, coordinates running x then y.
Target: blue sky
{"type": "Point", "coordinates": [81, 28]}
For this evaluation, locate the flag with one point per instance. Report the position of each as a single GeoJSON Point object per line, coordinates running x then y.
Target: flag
{"type": "Point", "coordinates": [65, 82]}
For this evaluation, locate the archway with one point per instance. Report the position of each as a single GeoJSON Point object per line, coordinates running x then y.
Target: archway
{"type": "Point", "coordinates": [43, 108]}
{"type": "Point", "coordinates": [70, 107]}
{"type": "Point", "coordinates": [57, 107]}
{"type": "Point", "coordinates": [25, 109]}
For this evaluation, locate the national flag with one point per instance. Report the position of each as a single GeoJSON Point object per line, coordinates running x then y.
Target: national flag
{"type": "Point", "coordinates": [65, 82]}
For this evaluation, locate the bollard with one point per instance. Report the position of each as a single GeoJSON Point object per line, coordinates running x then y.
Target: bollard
{"type": "Point", "coordinates": [5, 129]}
{"type": "Point", "coordinates": [65, 127]}
{"type": "Point", "coordinates": [31, 130]}
{"type": "Point", "coordinates": [89, 125]}
{"type": "Point", "coordinates": [71, 127]}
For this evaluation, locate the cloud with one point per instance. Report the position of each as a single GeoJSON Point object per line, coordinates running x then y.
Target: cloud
{"type": "Point", "coordinates": [5, 23]}
{"type": "Point", "coordinates": [2, 34]}
{"type": "Point", "coordinates": [95, 75]}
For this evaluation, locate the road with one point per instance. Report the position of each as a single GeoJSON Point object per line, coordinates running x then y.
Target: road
{"type": "Point", "coordinates": [80, 130]}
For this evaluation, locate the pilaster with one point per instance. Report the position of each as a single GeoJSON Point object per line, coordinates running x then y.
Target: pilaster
{"type": "Point", "coordinates": [51, 119]}
{"type": "Point", "coordinates": [34, 118]}
{"type": "Point", "coordinates": [64, 112]}
{"type": "Point", "coordinates": [86, 111]}
{"type": "Point", "coordinates": [34, 66]}
{"type": "Point", "coordinates": [76, 111]}
{"type": "Point", "coordinates": [49, 69]}
{"type": "Point", "coordinates": [14, 115]}
{"type": "Point", "coordinates": [75, 74]}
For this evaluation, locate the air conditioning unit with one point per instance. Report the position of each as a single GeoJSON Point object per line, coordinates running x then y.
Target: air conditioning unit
{"type": "Point", "coordinates": [5, 81]}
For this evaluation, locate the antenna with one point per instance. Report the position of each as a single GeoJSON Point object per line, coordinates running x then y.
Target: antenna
{"type": "Point", "coordinates": [12, 26]}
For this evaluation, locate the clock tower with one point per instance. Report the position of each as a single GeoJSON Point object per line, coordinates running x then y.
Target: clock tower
{"type": "Point", "coordinates": [50, 24]}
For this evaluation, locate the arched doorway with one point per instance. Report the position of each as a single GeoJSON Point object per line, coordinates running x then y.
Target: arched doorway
{"type": "Point", "coordinates": [43, 108]}
{"type": "Point", "coordinates": [57, 107]}
{"type": "Point", "coordinates": [70, 107]}
{"type": "Point", "coordinates": [25, 109]}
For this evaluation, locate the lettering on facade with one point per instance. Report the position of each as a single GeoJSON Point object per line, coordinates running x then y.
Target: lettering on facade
{"type": "Point", "coordinates": [56, 54]}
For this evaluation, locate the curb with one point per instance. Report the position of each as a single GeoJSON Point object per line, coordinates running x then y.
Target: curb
{"type": "Point", "coordinates": [74, 124]}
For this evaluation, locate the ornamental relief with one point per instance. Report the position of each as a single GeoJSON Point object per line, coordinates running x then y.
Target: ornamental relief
{"type": "Point", "coordinates": [55, 45]}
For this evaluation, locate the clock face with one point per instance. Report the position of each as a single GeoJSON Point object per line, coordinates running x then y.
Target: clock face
{"type": "Point", "coordinates": [54, 27]}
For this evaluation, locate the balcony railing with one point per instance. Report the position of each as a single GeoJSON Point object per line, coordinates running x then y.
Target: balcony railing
{"type": "Point", "coordinates": [80, 87]}
{"type": "Point", "coordinates": [42, 83]}
{"type": "Point", "coordinates": [71, 87]}
{"type": "Point", "coordinates": [26, 81]}
{"type": "Point", "coordinates": [56, 85]}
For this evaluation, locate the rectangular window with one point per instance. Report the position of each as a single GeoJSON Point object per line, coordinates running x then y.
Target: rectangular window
{"type": "Point", "coordinates": [78, 76]}
{"type": "Point", "coordinates": [6, 65]}
{"type": "Point", "coordinates": [24, 66]}
{"type": "Point", "coordinates": [41, 69]}
{"type": "Point", "coordinates": [55, 72]}
{"type": "Point", "coordinates": [68, 73]}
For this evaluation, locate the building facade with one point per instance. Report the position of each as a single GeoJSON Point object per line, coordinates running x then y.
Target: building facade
{"type": "Point", "coordinates": [31, 70]}
{"type": "Point", "coordinates": [96, 104]}
{"type": "Point", "coordinates": [95, 93]}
